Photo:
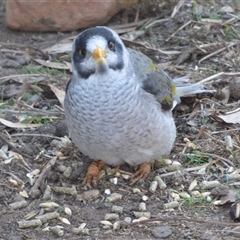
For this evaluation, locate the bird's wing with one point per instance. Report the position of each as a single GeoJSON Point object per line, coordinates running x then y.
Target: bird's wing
{"type": "Point", "coordinates": [153, 79]}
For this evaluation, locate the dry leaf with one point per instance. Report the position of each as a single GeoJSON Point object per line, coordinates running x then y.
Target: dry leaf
{"type": "Point", "coordinates": [59, 48]}
{"type": "Point", "coordinates": [229, 198]}
{"type": "Point", "coordinates": [60, 94]}
{"type": "Point", "coordinates": [18, 125]}
{"type": "Point", "coordinates": [53, 64]}
{"type": "Point", "coordinates": [233, 117]}
{"type": "Point", "coordinates": [226, 93]}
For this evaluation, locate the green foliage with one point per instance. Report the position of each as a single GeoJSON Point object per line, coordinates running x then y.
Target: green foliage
{"type": "Point", "coordinates": [193, 202]}
{"type": "Point", "coordinates": [195, 158]}
{"type": "Point", "coordinates": [37, 120]}
{"type": "Point", "coordinates": [195, 12]}
{"type": "Point", "coordinates": [33, 69]}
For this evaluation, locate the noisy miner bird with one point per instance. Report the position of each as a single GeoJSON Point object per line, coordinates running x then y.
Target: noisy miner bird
{"type": "Point", "coordinates": [118, 104]}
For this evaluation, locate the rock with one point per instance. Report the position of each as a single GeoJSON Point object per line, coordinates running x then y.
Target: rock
{"type": "Point", "coordinates": [234, 88]}
{"type": "Point", "coordinates": [220, 191]}
{"type": "Point", "coordinates": [48, 15]}
{"type": "Point", "coordinates": [161, 232]}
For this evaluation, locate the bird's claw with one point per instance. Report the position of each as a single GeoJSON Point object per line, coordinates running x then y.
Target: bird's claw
{"type": "Point", "coordinates": [141, 174]}
{"type": "Point", "coordinates": [91, 178]}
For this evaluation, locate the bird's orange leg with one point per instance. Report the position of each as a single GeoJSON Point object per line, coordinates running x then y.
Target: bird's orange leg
{"type": "Point", "coordinates": [93, 173]}
{"type": "Point", "coordinates": [141, 174]}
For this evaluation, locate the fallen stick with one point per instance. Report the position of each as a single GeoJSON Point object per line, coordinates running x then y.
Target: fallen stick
{"type": "Point", "coordinates": [35, 191]}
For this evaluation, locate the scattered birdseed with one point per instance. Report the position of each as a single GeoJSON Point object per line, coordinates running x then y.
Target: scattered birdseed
{"type": "Point", "coordinates": [114, 197]}
{"type": "Point", "coordinates": [111, 216]}
{"type": "Point", "coordinates": [30, 223]}
{"type": "Point", "coordinates": [161, 184]}
{"type": "Point", "coordinates": [173, 204]}
{"type": "Point", "coordinates": [153, 186]}
{"type": "Point", "coordinates": [142, 214]}
{"type": "Point", "coordinates": [18, 205]}
{"type": "Point", "coordinates": [57, 230]}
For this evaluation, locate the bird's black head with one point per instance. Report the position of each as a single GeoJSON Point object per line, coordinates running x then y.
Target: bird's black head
{"type": "Point", "coordinates": [96, 50]}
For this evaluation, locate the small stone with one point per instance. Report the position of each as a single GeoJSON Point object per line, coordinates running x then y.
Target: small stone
{"type": "Point", "coordinates": [161, 232]}
{"type": "Point", "coordinates": [87, 195]}
{"type": "Point", "coordinates": [107, 191]}
{"type": "Point", "coordinates": [234, 87]}
{"type": "Point", "coordinates": [220, 191]}
{"type": "Point", "coordinates": [46, 15]}
{"type": "Point", "coordinates": [127, 220]}
{"type": "Point", "coordinates": [114, 180]}
{"type": "Point", "coordinates": [145, 198]}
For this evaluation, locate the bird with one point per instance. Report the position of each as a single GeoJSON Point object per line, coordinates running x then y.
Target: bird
{"type": "Point", "coordinates": [118, 104]}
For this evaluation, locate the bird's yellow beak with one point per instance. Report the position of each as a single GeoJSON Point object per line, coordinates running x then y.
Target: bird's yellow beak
{"type": "Point", "coordinates": [99, 55]}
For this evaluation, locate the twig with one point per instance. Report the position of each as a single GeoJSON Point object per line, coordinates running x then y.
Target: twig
{"type": "Point", "coordinates": [14, 177]}
{"type": "Point", "coordinates": [217, 75]}
{"type": "Point", "coordinates": [4, 139]}
{"type": "Point", "coordinates": [157, 22]}
{"type": "Point", "coordinates": [218, 157]}
{"type": "Point", "coordinates": [177, 7]}
{"type": "Point", "coordinates": [183, 26]}
{"type": "Point", "coordinates": [121, 28]}
{"type": "Point", "coordinates": [24, 76]}
{"type": "Point", "coordinates": [205, 165]}
{"type": "Point", "coordinates": [137, 13]}
{"type": "Point", "coordinates": [35, 191]}
{"type": "Point", "coordinates": [137, 44]}
{"type": "Point", "coordinates": [219, 141]}
{"type": "Point", "coordinates": [35, 112]}
{"type": "Point", "coordinates": [216, 52]}
{"type": "Point", "coordinates": [225, 131]}
{"type": "Point", "coordinates": [34, 135]}
{"type": "Point", "coordinates": [176, 218]}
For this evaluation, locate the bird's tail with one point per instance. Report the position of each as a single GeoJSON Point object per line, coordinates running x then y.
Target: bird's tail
{"type": "Point", "coordinates": [185, 88]}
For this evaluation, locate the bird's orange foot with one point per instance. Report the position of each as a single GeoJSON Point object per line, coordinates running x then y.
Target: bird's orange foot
{"type": "Point", "coordinates": [141, 174]}
{"type": "Point", "coordinates": [93, 173]}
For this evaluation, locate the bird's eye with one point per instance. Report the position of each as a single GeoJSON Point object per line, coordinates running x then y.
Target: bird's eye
{"type": "Point", "coordinates": [82, 52]}
{"type": "Point", "coordinates": [111, 45]}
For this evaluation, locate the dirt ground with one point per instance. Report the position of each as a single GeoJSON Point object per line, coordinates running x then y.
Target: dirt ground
{"type": "Point", "coordinates": [41, 172]}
